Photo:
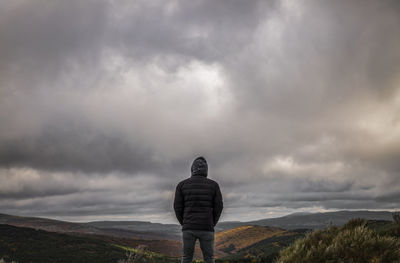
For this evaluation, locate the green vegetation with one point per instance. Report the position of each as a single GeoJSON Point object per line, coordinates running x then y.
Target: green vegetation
{"type": "Point", "coordinates": [37, 246]}
{"type": "Point", "coordinates": [142, 255]}
{"type": "Point", "coordinates": [359, 241]}
{"type": "Point", "coordinates": [28, 245]}
{"type": "Point", "coordinates": [266, 250]}
{"type": "Point", "coordinates": [233, 240]}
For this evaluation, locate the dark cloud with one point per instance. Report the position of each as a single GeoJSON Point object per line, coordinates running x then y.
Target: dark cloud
{"type": "Point", "coordinates": [42, 40]}
{"type": "Point", "coordinates": [66, 148]}
{"type": "Point", "coordinates": [202, 30]}
{"type": "Point", "coordinates": [311, 58]}
{"type": "Point", "coordinates": [104, 105]}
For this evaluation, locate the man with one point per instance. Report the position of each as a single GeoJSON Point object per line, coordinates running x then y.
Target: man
{"type": "Point", "coordinates": [198, 206]}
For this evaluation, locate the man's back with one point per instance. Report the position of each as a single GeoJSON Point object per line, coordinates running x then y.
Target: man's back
{"type": "Point", "coordinates": [198, 203]}
{"type": "Point", "coordinates": [198, 206]}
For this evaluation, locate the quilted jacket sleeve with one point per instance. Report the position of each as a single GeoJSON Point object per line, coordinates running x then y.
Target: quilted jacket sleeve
{"type": "Point", "coordinates": [218, 205]}
{"type": "Point", "coordinates": [178, 203]}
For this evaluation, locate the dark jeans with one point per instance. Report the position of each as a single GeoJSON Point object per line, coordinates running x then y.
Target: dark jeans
{"type": "Point", "coordinates": [206, 239]}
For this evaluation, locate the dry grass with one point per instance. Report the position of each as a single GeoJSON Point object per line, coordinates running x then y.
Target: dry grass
{"type": "Point", "coordinates": [352, 243]}
{"type": "Point", "coordinates": [244, 236]}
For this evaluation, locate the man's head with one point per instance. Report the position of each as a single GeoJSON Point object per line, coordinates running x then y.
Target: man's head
{"type": "Point", "coordinates": [199, 166]}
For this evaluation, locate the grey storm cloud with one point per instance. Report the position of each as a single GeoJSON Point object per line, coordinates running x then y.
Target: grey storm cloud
{"type": "Point", "coordinates": [104, 104]}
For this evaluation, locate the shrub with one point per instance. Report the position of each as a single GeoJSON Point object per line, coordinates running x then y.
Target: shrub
{"type": "Point", "coordinates": [352, 243]}
{"type": "Point", "coordinates": [396, 217]}
{"type": "Point", "coordinates": [3, 261]}
{"type": "Point", "coordinates": [140, 254]}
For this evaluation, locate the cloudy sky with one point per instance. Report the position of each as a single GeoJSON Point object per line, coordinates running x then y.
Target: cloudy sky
{"type": "Point", "coordinates": [104, 105]}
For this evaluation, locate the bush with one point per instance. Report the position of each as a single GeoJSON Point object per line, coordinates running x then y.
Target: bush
{"type": "Point", "coordinates": [140, 255]}
{"type": "Point", "coordinates": [352, 243]}
{"type": "Point", "coordinates": [396, 217]}
{"type": "Point", "coordinates": [3, 261]}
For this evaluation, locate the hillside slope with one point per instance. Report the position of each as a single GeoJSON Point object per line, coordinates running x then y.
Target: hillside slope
{"type": "Point", "coordinates": [38, 246]}
{"type": "Point", "coordinates": [256, 243]}
{"type": "Point", "coordinates": [148, 230]}
{"type": "Point", "coordinates": [266, 250]}
{"type": "Point", "coordinates": [29, 245]}
{"type": "Point", "coordinates": [89, 228]}
{"type": "Point", "coordinates": [142, 229]}
{"type": "Point", "coordinates": [321, 220]}
{"type": "Point", "coordinates": [232, 240]}
{"type": "Point", "coordinates": [358, 241]}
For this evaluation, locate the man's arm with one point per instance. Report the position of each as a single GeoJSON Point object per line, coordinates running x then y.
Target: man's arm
{"type": "Point", "coordinates": [178, 204]}
{"type": "Point", "coordinates": [218, 205]}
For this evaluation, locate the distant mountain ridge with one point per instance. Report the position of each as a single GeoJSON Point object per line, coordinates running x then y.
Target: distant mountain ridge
{"type": "Point", "coordinates": [148, 230]}
{"type": "Point", "coordinates": [322, 220]}
{"type": "Point", "coordinates": [141, 228]}
{"type": "Point", "coordinates": [299, 220]}
{"type": "Point", "coordinates": [59, 226]}
{"type": "Point", "coordinates": [311, 220]}
{"type": "Point", "coordinates": [233, 240]}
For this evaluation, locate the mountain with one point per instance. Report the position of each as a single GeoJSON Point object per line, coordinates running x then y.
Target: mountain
{"type": "Point", "coordinates": [148, 230]}
{"type": "Point", "coordinates": [266, 250]}
{"type": "Point", "coordinates": [232, 240]}
{"type": "Point", "coordinates": [142, 229]}
{"type": "Point", "coordinates": [105, 228]}
{"type": "Point", "coordinates": [321, 220]}
{"type": "Point", "coordinates": [237, 242]}
{"type": "Point", "coordinates": [307, 220]}
{"type": "Point", "coordinates": [24, 244]}
{"type": "Point", "coordinates": [156, 242]}
{"type": "Point", "coordinates": [241, 244]}
{"type": "Point", "coordinates": [46, 224]}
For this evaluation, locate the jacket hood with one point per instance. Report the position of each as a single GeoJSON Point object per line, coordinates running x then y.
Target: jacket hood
{"type": "Point", "coordinates": [199, 167]}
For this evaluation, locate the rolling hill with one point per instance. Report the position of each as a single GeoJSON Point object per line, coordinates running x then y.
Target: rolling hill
{"type": "Point", "coordinates": [106, 228]}
{"type": "Point", "coordinates": [142, 229]}
{"type": "Point", "coordinates": [311, 220]}
{"type": "Point", "coordinates": [266, 250]}
{"type": "Point", "coordinates": [33, 238]}
{"type": "Point", "coordinates": [156, 242]}
{"type": "Point", "coordinates": [321, 220]}
{"type": "Point", "coordinates": [25, 245]}
{"type": "Point", "coordinates": [232, 240]}
{"type": "Point", "coordinates": [357, 241]}
{"type": "Point", "coordinates": [148, 230]}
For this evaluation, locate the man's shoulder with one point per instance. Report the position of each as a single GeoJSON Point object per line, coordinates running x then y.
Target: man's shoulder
{"type": "Point", "coordinates": [183, 182]}
{"type": "Point", "coordinates": [211, 181]}
{"type": "Point", "coordinates": [192, 180]}
{"type": "Point", "coordinates": [213, 184]}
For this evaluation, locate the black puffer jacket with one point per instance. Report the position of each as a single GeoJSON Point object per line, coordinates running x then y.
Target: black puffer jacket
{"type": "Point", "coordinates": [198, 200]}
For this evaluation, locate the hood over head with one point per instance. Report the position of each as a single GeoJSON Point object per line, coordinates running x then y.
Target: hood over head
{"type": "Point", "coordinates": [199, 167]}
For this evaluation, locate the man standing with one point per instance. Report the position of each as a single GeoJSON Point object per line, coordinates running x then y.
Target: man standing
{"type": "Point", "coordinates": [198, 206]}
